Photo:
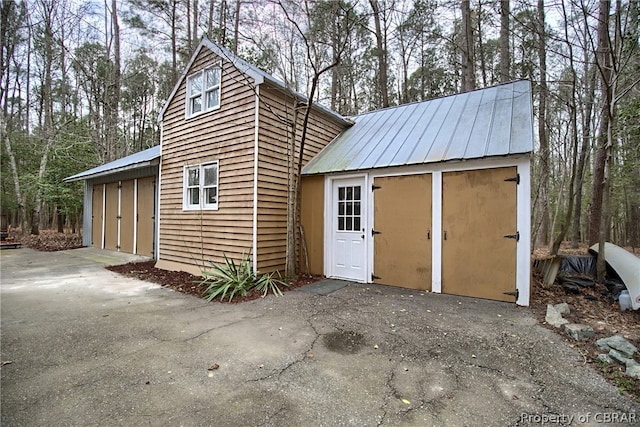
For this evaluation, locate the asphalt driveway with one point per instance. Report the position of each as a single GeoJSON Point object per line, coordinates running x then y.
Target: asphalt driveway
{"type": "Point", "coordinates": [89, 347]}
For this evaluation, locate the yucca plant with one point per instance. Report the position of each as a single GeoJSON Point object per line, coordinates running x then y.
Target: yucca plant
{"type": "Point", "coordinates": [266, 283]}
{"type": "Point", "coordinates": [231, 279]}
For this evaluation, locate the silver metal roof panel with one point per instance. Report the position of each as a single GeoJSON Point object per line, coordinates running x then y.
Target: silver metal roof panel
{"type": "Point", "coordinates": [138, 160]}
{"type": "Point", "coordinates": [495, 121]}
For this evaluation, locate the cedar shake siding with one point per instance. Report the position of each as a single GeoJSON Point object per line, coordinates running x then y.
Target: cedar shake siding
{"type": "Point", "coordinates": [189, 239]}
{"type": "Point", "coordinates": [274, 152]}
{"type": "Point", "coordinates": [225, 135]}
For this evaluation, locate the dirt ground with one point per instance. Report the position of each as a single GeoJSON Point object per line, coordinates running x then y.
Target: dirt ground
{"type": "Point", "coordinates": [592, 306]}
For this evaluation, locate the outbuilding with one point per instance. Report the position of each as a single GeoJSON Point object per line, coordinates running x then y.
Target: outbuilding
{"type": "Point", "coordinates": [433, 196]}
{"type": "Point", "coordinates": [120, 203]}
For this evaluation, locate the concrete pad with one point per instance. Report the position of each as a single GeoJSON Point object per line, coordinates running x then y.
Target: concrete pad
{"type": "Point", "coordinates": [89, 347]}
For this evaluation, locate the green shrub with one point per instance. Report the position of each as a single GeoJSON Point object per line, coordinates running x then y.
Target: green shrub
{"type": "Point", "coordinates": [233, 279]}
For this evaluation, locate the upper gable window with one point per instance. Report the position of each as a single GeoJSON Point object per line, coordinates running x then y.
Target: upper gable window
{"type": "Point", "coordinates": [203, 91]}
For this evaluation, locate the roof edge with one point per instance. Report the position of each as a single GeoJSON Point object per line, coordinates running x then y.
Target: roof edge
{"type": "Point", "coordinates": [82, 176]}
{"type": "Point", "coordinates": [259, 76]}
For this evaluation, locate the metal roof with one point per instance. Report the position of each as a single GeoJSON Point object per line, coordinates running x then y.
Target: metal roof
{"type": "Point", "coordinates": [138, 160]}
{"type": "Point", "coordinates": [243, 66]}
{"type": "Point", "coordinates": [496, 121]}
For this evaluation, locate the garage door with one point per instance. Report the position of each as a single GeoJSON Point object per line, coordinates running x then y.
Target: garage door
{"type": "Point", "coordinates": [126, 216]}
{"type": "Point", "coordinates": [145, 220]}
{"type": "Point", "coordinates": [111, 217]}
{"type": "Point", "coordinates": [402, 224]}
{"type": "Point", "coordinates": [128, 221]}
{"type": "Point", "coordinates": [479, 233]}
{"type": "Point", "coordinates": [96, 217]}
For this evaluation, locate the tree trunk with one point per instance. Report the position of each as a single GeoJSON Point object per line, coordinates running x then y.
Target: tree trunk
{"type": "Point", "coordinates": [222, 23]}
{"type": "Point", "coordinates": [573, 120]}
{"type": "Point", "coordinates": [480, 52]}
{"type": "Point", "coordinates": [22, 212]}
{"type": "Point", "coordinates": [210, 20]}
{"type": "Point", "coordinates": [505, 54]}
{"type": "Point", "coordinates": [468, 60]}
{"type": "Point", "coordinates": [543, 232]}
{"type": "Point", "coordinates": [60, 220]}
{"type": "Point", "coordinates": [236, 27]}
{"type": "Point", "coordinates": [604, 66]}
{"type": "Point", "coordinates": [599, 220]}
{"type": "Point", "coordinates": [584, 151]}
{"type": "Point", "coordinates": [290, 251]}
{"type": "Point", "coordinates": [381, 53]}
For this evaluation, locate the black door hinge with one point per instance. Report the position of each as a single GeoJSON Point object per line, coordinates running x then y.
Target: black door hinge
{"type": "Point", "coordinates": [374, 232]}
{"type": "Point", "coordinates": [374, 277]}
{"type": "Point", "coordinates": [515, 179]}
{"type": "Point", "coordinates": [375, 187]}
{"type": "Point", "coordinates": [513, 236]}
{"type": "Point", "coordinates": [515, 293]}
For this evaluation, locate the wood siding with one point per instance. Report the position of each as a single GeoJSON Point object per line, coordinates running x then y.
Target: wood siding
{"type": "Point", "coordinates": [225, 135]}
{"type": "Point", "coordinates": [274, 154]}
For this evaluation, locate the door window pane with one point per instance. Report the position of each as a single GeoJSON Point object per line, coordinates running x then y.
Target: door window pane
{"type": "Point", "coordinates": [349, 208]}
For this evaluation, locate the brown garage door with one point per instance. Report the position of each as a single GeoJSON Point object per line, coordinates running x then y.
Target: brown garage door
{"type": "Point", "coordinates": [126, 216]}
{"type": "Point", "coordinates": [402, 216]}
{"type": "Point", "coordinates": [96, 216]}
{"type": "Point", "coordinates": [478, 210]}
{"type": "Point", "coordinates": [145, 220]}
{"type": "Point", "coordinates": [111, 217]}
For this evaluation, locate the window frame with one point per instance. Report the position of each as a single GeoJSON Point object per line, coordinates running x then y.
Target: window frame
{"type": "Point", "coordinates": [201, 187]}
{"type": "Point", "coordinates": [204, 92]}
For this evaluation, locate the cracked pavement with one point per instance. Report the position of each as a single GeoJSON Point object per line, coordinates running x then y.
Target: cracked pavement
{"type": "Point", "coordinates": [90, 347]}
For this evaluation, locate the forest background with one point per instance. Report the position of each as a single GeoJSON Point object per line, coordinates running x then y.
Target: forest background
{"type": "Point", "coordinates": [82, 84]}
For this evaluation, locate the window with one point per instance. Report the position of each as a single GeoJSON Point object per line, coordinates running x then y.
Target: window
{"type": "Point", "coordinates": [349, 208]}
{"type": "Point", "coordinates": [203, 91]}
{"type": "Point", "coordinates": [201, 186]}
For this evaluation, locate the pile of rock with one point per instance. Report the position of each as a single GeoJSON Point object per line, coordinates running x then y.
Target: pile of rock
{"type": "Point", "coordinates": [619, 350]}
{"type": "Point", "coordinates": [577, 331]}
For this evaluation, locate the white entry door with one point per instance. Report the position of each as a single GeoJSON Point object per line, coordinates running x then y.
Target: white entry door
{"type": "Point", "coordinates": [348, 229]}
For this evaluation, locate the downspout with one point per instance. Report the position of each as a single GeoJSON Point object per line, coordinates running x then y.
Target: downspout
{"type": "Point", "coordinates": [255, 180]}
{"type": "Point", "coordinates": [135, 216]}
{"type": "Point", "coordinates": [104, 212]}
{"type": "Point", "coordinates": [156, 213]}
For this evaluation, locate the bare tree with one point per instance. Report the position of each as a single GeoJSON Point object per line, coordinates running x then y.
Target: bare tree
{"type": "Point", "coordinates": [543, 135]}
{"type": "Point", "coordinates": [314, 43]}
{"type": "Point", "coordinates": [468, 57]}
{"type": "Point", "coordinates": [381, 52]}
{"type": "Point", "coordinates": [505, 53]}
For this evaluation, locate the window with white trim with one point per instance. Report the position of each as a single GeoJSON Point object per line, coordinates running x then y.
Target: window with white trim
{"type": "Point", "coordinates": [203, 91]}
{"type": "Point", "coordinates": [201, 186]}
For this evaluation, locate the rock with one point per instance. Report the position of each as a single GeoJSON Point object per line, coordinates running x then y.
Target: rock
{"type": "Point", "coordinates": [618, 357]}
{"type": "Point", "coordinates": [554, 318]}
{"type": "Point", "coordinates": [562, 308]}
{"type": "Point", "coordinates": [578, 331]}
{"type": "Point", "coordinates": [616, 342]}
{"type": "Point", "coordinates": [633, 369]}
{"type": "Point", "coordinates": [604, 358]}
